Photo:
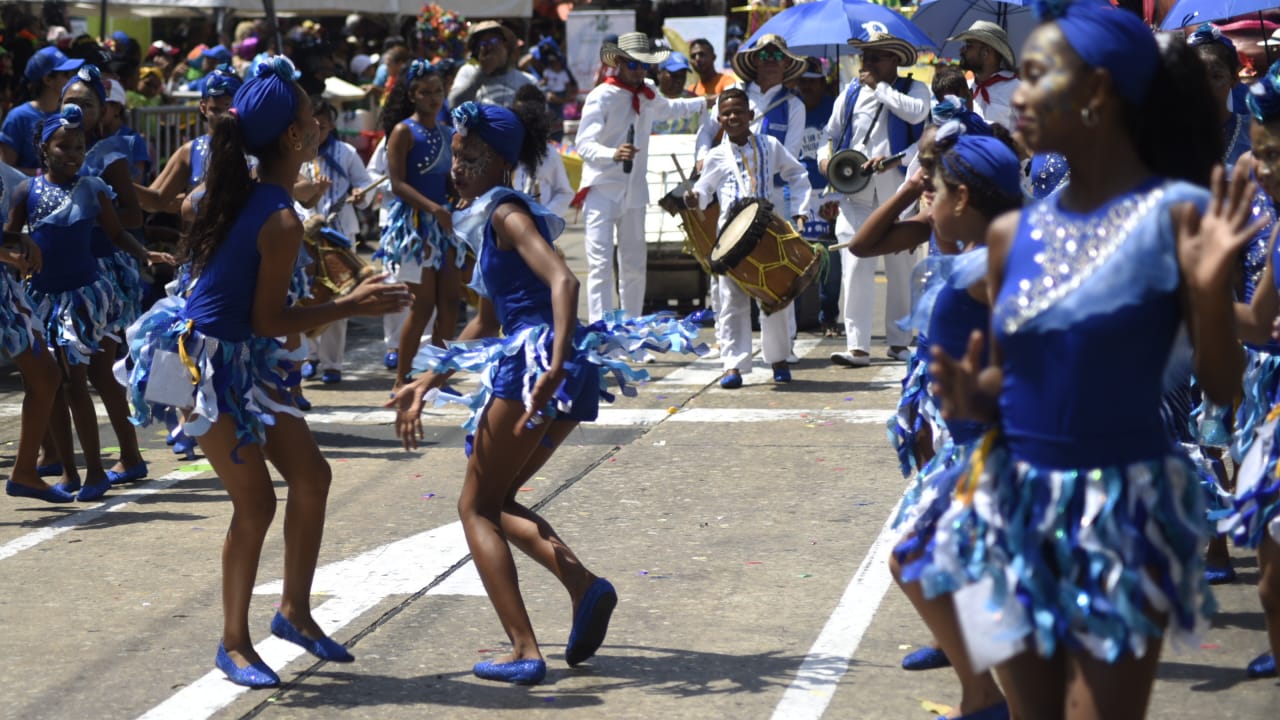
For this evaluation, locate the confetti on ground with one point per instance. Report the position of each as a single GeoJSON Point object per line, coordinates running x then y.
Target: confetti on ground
{"type": "Point", "coordinates": [643, 572]}
{"type": "Point", "coordinates": [526, 489]}
{"type": "Point", "coordinates": [754, 562]}
{"type": "Point", "coordinates": [805, 575]}
{"type": "Point", "coordinates": [417, 475]}
{"type": "Point", "coordinates": [539, 477]}
{"type": "Point", "coordinates": [904, 647]}
{"type": "Point", "coordinates": [660, 443]}
{"type": "Point", "coordinates": [428, 496]}
{"type": "Point", "coordinates": [1209, 646]}
{"type": "Point", "coordinates": [197, 467]}
{"type": "Point", "coordinates": [848, 398]}
{"type": "Point", "coordinates": [935, 708]}
{"type": "Point", "coordinates": [673, 410]}
{"type": "Point", "coordinates": [110, 450]}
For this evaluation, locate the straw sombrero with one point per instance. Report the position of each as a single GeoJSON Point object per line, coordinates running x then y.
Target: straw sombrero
{"type": "Point", "coordinates": [989, 33]}
{"type": "Point", "coordinates": [884, 42]}
{"type": "Point", "coordinates": [746, 63]}
{"type": "Point", "coordinates": [474, 32]}
{"type": "Point", "coordinates": [632, 46]}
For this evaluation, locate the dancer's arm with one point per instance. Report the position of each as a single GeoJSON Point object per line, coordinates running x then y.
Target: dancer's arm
{"type": "Point", "coordinates": [882, 233]}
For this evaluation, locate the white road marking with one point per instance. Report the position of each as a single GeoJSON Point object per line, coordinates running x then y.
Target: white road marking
{"type": "Point", "coordinates": [355, 585]}
{"type": "Point", "coordinates": [828, 660]}
{"type": "Point", "coordinates": [625, 417]}
{"type": "Point", "coordinates": [118, 500]}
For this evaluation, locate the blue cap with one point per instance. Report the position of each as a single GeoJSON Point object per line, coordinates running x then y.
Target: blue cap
{"type": "Point", "coordinates": [49, 60]}
{"type": "Point", "coordinates": [219, 53]}
{"type": "Point", "coordinates": [120, 36]}
{"type": "Point", "coordinates": [675, 62]}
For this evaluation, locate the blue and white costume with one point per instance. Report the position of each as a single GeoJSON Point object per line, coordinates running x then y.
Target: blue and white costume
{"type": "Point", "coordinates": [1262, 364]}
{"type": "Point", "coordinates": [411, 240]}
{"type": "Point", "coordinates": [1080, 505]}
{"type": "Point", "coordinates": [511, 365]}
{"type": "Point", "coordinates": [70, 296]}
{"type": "Point", "coordinates": [116, 266]}
{"type": "Point", "coordinates": [916, 407]}
{"type": "Point", "coordinates": [19, 329]}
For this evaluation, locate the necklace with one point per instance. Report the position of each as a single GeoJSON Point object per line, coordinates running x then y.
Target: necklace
{"type": "Point", "coordinates": [749, 168]}
{"type": "Point", "coordinates": [1235, 137]}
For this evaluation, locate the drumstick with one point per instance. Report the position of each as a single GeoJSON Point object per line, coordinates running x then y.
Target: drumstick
{"type": "Point", "coordinates": [360, 193]}
{"type": "Point", "coordinates": [697, 212]}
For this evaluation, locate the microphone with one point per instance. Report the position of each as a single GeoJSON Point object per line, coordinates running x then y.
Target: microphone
{"type": "Point", "coordinates": [631, 138]}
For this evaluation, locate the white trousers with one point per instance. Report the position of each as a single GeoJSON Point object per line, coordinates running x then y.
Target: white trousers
{"type": "Point", "coordinates": [606, 221]}
{"type": "Point", "coordinates": [733, 330]}
{"type": "Point", "coordinates": [858, 286]}
{"type": "Point", "coordinates": [330, 347]}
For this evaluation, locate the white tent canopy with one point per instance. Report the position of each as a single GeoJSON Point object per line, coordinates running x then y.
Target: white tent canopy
{"type": "Point", "coordinates": [304, 8]}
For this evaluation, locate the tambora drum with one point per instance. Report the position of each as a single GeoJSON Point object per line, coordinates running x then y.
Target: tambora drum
{"type": "Point", "coordinates": [699, 226]}
{"type": "Point", "coordinates": [335, 267]}
{"type": "Point", "coordinates": [764, 255]}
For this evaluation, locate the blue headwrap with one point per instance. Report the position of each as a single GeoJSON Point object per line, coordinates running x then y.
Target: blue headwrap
{"type": "Point", "coordinates": [1264, 95]}
{"type": "Point", "coordinates": [70, 117]}
{"type": "Point", "coordinates": [222, 80]}
{"type": "Point", "coordinates": [1105, 36]}
{"type": "Point", "coordinates": [1206, 33]}
{"type": "Point", "coordinates": [417, 69]}
{"type": "Point", "coordinates": [496, 125]}
{"type": "Point", "coordinates": [979, 160]}
{"type": "Point", "coordinates": [89, 75]}
{"type": "Point", "coordinates": [267, 104]}
{"type": "Point", "coordinates": [953, 108]}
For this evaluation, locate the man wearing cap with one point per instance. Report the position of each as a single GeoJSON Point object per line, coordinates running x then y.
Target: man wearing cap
{"type": "Point", "coordinates": [987, 54]}
{"type": "Point", "coordinates": [879, 115]}
{"type": "Point", "coordinates": [613, 140]}
{"type": "Point", "coordinates": [672, 74]}
{"type": "Point", "coordinates": [765, 69]}
{"type": "Point", "coordinates": [493, 78]}
{"type": "Point", "coordinates": [708, 79]}
{"type": "Point", "coordinates": [46, 72]}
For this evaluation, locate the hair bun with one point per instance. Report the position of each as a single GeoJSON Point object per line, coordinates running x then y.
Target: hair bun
{"type": "Point", "coordinates": [72, 115]}
{"type": "Point", "coordinates": [89, 73]}
{"type": "Point", "coordinates": [466, 116]}
{"type": "Point", "coordinates": [278, 66]}
{"type": "Point", "coordinates": [948, 134]}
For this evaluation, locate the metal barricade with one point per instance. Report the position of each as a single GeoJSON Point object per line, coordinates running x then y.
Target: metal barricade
{"type": "Point", "coordinates": [166, 128]}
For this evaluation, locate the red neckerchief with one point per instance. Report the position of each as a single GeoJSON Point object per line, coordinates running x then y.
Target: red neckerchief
{"type": "Point", "coordinates": [636, 92]}
{"type": "Point", "coordinates": [995, 79]}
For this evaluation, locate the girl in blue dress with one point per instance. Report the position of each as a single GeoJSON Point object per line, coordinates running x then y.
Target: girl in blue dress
{"type": "Point", "coordinates": [22, 342]}
{"type": "Point", "coordinates": [542, 374]}
{"type": "Point", "coordinates": [109, 158]}
{"type": "Point", "coordinates": [1256, 521]}
{"type": "Point", "coordinates": [70, 296]}
{"type": "Point", "coordinates": [1076, 537]}
{"type": "Point", "coordinates": [418, 243]}
{"type": "Point", "coordinates": [215, 354]}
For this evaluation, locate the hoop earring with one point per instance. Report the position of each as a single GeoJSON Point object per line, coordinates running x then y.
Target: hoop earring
{"type": "Point", "coordinates": [297, 146]}
{"type": "Point", "coordinates": [1088, 117]}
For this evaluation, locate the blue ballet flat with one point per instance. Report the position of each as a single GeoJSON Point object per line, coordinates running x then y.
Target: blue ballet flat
{"type": "Point", "coordinates": [590, 622]}
{"type": "Point", "coordinates": [137, 472]}
{"type": "Point", "coordinates": [392, 359]}
{"type": "Point", "coordinates": [1220, 575]}
{"type": "Point", "coordinates": [257, 675]}
{"type": "Point", "coordinates": [1262, 666]}
{"type": "Point", "coordinates": [995, 712]}
{"type": "Point", "coordinates": [331, 377]}
{"type": "Point", "coordinates": [782, 375]}
{"type": "Point", "coordinates": [93, 491]}
{"type": "Point", "coordinates": [308, 370]}
{"type": "Point", "coordinates": [926, 658]}
{"type": "Point", "coordinates": [50, 470]}
{"type": "Point", "coordinates": [731, 382]}
{"type": "Point", "coordinates": [49, 495]}
{"type": "Point", "coordinates": [516, 672]}
{"type": "Point", "coordinates": [325, 648]}
{"type": "Point", "coordinates": [183, 444]}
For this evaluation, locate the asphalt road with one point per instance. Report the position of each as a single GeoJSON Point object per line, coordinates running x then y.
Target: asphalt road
{"type": "Point", "coordinates": [745, 531]}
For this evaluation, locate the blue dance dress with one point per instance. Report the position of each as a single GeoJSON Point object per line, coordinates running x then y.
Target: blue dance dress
{"type": "Point", "coordinates": [116, 266]}
{"type": "Point", "coordinates": [1079, 515]}
{"type": "Point", "coordinates": [510, 365]}
{"type": "Point", "coordinates": [1262, 366]}
{"type": "Point", "coordinates": [210, 331]}
{"type": "Point", "coordinates": [19, 328]}
{"type": "Point", "coordinates": [917, 408]}
{"type": "Point", "coordinates": [411, 240]}
{"type": "Point", "coordinates": [70, 297]}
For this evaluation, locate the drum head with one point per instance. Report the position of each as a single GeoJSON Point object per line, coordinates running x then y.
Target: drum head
{"type": "Point", "coordinates": [748, 219]}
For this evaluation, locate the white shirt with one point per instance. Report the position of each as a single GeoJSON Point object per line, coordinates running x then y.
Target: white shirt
{"type": "Point", "coordinates": [349, 175]}
{"type": "Point", "coordinates": [912, 106]}
{"type": "Point", "coordinates": [731, 172]}
{"type": "Point", "coordinates": [472, 85]}
{"type": "Point", "coordinates": [607, 114]}
{"type": "Point", "coordinates": [550, 187]}
{"type": "Point", "coordinates": [761, 102]}
{"type": "Point", "coordinates": [999, 109]}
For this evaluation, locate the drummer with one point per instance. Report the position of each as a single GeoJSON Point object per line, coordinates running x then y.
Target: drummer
{"type": "Point", "coordinates": [879, 115]}
{"type": "Point", "coordinates": [744, 167]}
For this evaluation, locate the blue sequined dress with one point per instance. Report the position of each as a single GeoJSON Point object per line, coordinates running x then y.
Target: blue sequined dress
{"type": "Point", "coordinates": [70, 297]}
{"type": "Point", "coordinates": [230, 369]}
{"type": "Point", "coordinates": [509, 366]}
{"type": "Point", "coordinates": [116, 266]}
{"type": "Point", "coordinates": [19, 328]}
{"type": "Point", "coordinates": [1080, 503]}
{"type": "Point", "coordinates": [411, 240]}
{"type": "Point", "coordinates": [917, 409]}
{"type": "Point", "coordinates": [1262, 366]}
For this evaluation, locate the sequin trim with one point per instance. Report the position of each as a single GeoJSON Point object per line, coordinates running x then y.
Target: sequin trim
{"type": "Point", "coordinates": [1070, 251]}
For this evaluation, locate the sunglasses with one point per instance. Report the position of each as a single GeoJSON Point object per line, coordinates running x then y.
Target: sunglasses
{"type": "Point", "coordinates": [876, 58]}
{"type": "Point", "coordinates": [776, 55]}
{"type": "Point", "coordinates": [636, 65]}
{"type": "Point", "coordinates": [489, 42]}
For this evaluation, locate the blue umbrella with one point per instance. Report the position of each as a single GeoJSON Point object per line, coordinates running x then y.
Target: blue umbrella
{"type": "Point", "coordinates": [941, 19]}
{"type": "Point", "coordinates": [1194, 12]}
{"type": "Point", "coordinates": [813, 28]}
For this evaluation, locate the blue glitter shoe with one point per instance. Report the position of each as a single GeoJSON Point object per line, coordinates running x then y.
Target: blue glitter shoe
{"type": "Point", "coordinates": [301, 403]}
{"type": "Point", "coordinates": [782, 375]}
{"type": "Point", "coordinates": [926, 658]}
{"type": "Point", "coordinates": [995, 712]}
{"type": "Point", "coordinates": [391, 360]}
{"type": "Point", "coordinates": [331, 377]}
{"type": "Point", "coordinates": [1262, 666]}
{"type": "Point", "coordinates": [590, 622]}
{"type": "Point", "coordinates": [49, 495]}
{"type": "Point", "coordinates": [137, 472]}
{"type": "Point", "coordinates": [325, 648]}
{"type": "Point", "coordinates": [93, 491]}
{"type": "Point", "coordinates": [731, 381]}
{"type": "Point", "coordinates": [1220, 575]}
{"type": "Point", "coordinates": [184, 444]}
{"type": "Point", "coordinates": [257, 675]}
{"type": "Point", "coordinates": [308, 369]}
{"type": "Point", "coordinates": [517, 672]}
{"type": "Point", "coordinates": [50, 470]}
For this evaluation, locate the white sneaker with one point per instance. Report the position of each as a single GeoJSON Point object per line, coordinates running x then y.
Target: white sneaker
{"type": "Point", "coordinates": [848, 359]}
{"type": "Point", "coordinates": [902, 354]}
{"type": "Point", "coordinates": [793, 358]}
